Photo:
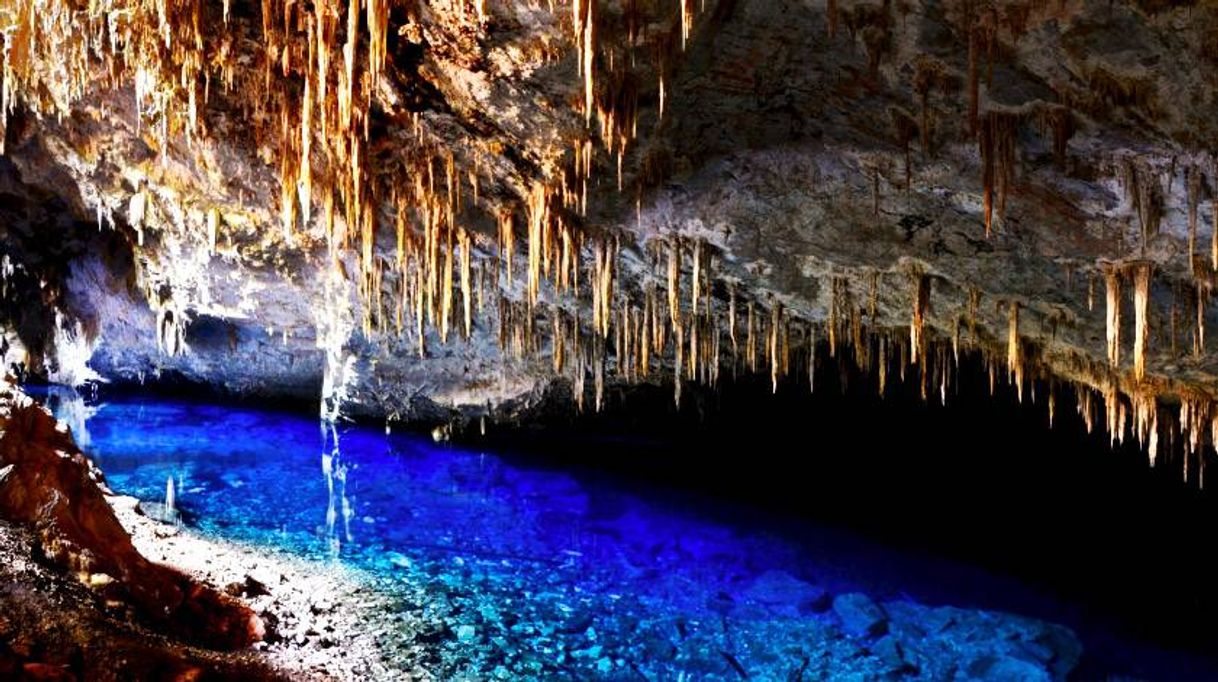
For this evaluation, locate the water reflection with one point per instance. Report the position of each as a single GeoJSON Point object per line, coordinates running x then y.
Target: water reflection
{"type": "Point", "coordinates": [334, 468]}
{"type": "Point", "coordinates": [73, 409]}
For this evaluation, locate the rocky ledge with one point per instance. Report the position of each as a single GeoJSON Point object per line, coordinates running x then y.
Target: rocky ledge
{"type": "Point", "coordinates": [58, 521]}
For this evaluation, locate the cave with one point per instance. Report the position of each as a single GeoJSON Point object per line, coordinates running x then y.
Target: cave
{"type": "Point", "coordinates": [608, 339]}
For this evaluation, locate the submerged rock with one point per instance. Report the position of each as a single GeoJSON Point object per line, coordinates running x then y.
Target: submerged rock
{"type": "Point", "coordinates": [159, 512]}
{"type": "Point", "coordinates": [782, 591]}
{"type": "Point", "coordinates": [860, 616]}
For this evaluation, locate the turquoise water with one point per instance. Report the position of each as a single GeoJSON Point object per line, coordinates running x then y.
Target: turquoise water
{"type": "Point", "coordinates": [539, 572]}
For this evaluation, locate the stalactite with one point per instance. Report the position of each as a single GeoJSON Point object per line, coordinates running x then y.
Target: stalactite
{"type": "Point", "coordinates": [772, 345]}
{"type": "Point", "coordinates": [1214, 216]}
{"type": "Point", "coordinates": [678, 362]}
{"type": "Point", "coordinates": [1199, 332]}
{"type": "Point", "coordinates": [1141, 305]}
{"type": "Point", "coordinates": [695, 282]}
{"type": "Point", "coordinates": [463, 243]}
{"type": "Point", "coordinates": [1014, 356]}
{"type": "Point", "coordinates": [996, 139]}
{"type": "Point", "coordinates": [598, 371]}
{"type": "Point", "coordinates": [1112, 284]}
{"type": "Point", "coordinates": [921, 303]}
{"type": "Point", "coordinates": [674, 282]}
{"type": "Point", "coordinates": [1113, 414]}
{"type": "Point", "coordinates": [731, 317]}
{"type": "Point", "coordinates": [538, 212]}
{"type": "Point", "coordinates": [750, 343]}
{"type": "Point", "coordinates": [956, 341]}
{"type": "Point", "coordinates": [1192, 183]}
{"type": "Point", "coordinates": [812, 358]}
{"type": "Point", "coordinates": [1086, 408]}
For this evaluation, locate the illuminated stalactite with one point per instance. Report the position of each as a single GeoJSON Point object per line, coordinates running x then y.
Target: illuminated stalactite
{"type": "Point", "coordinates": [772, 344]}
{"type": "Point", "coordinates": [731, 317]}
{"type": "Point", "coordinates": [323, 67]}
{"type": "Point", "coordinates": [464, 244]}
{"type": "Point", "coordinates": [1199, 329]}
{"type": "Point", "coordinates": [1014, 354]}
{"type": "Point", "coordinates": [1141, 311]}
{"type": "Point", "coordinates": [921, 303]}
{"type": "Point", "coordinates": [1112, 285]}
{"type": "Point", "coordinates": [1146, 424]}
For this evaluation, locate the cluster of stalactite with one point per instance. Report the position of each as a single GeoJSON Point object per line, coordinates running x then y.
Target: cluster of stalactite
{"type": "Point", "coordinates": [318, 68]}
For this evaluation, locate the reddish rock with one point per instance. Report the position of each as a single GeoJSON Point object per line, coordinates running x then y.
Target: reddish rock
{"type": "Point", "coordinates": [47, 484]}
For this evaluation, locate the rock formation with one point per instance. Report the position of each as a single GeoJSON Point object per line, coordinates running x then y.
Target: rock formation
{"type": "Point", "coordinates": [425, 212]}
{"type": "Point", "coordinates": [47, 485]}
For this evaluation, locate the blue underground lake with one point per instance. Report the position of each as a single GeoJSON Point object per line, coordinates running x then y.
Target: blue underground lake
{"type": "Point", "coordinates": [543, 572]}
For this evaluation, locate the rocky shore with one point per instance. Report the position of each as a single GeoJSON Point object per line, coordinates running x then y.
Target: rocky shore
{"type": "Point", "coordinates": [91, 588]}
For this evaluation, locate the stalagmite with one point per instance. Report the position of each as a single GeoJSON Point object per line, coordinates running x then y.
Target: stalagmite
{"type": "Point", "coordinates": [1141, 304]}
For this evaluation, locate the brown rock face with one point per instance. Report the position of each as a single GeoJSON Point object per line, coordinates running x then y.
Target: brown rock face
{"type": "Point", "coordinates": [49, 486]}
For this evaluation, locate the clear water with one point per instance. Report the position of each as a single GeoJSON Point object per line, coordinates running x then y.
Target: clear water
{"type": "Point", "coordinates": [547, 573]}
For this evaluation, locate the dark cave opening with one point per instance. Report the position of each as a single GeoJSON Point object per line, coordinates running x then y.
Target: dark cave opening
{"type": "Point", "coordinates": [984, 481]}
